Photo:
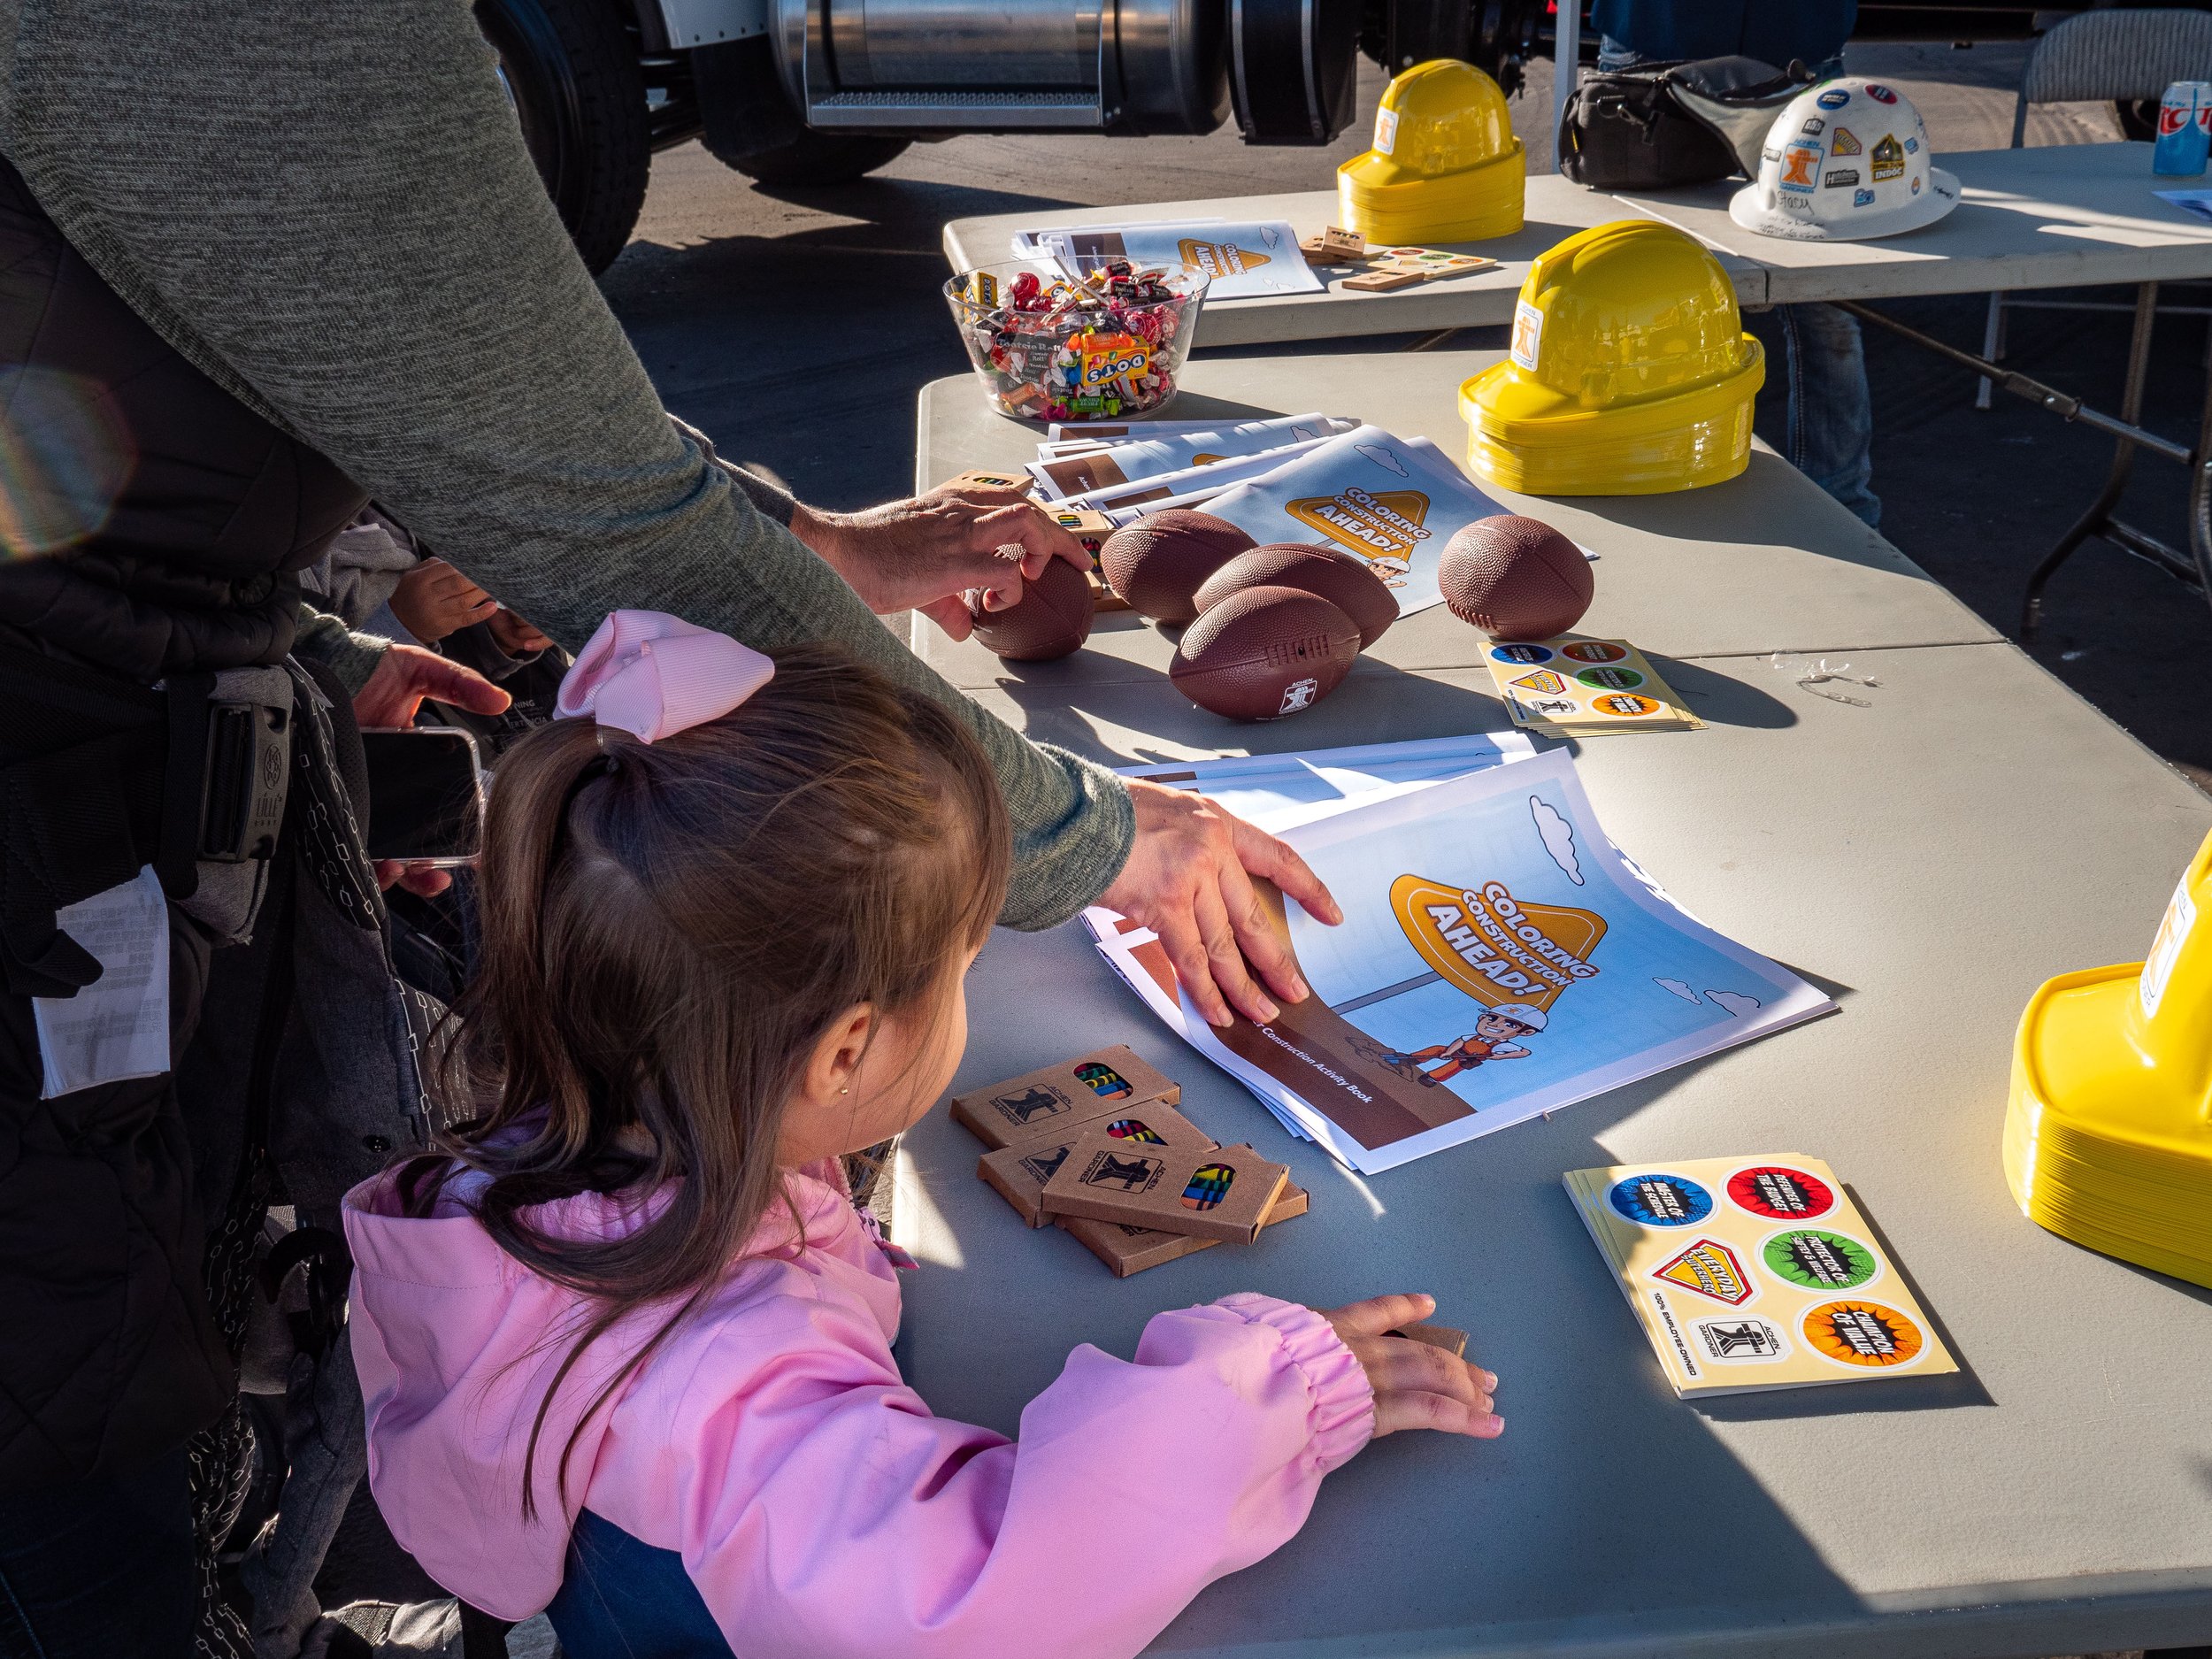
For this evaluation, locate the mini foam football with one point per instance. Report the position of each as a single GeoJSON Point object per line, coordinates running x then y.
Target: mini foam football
{"type": "Point", "coordinates": [1515, 578]}
{"type": "Point", "coordinates": [1158, 563]}
{"type": "Point", "coordinates": [1265, 652]}
{"type": "Point", "coordinates": [1051, 619]}
{"type": "Point", "coordinates": [1345, 579]}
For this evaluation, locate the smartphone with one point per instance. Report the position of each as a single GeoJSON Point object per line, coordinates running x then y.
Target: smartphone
{"type": "Point", "coordinates": [426, 794]}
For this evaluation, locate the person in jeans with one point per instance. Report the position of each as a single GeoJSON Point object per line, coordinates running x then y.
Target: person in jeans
{"type": "Point", "coordinates": [1830, 411]}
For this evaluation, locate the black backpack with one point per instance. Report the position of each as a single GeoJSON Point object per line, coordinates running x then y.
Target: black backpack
{"type": "Point", "coordinates": [1657, 125]}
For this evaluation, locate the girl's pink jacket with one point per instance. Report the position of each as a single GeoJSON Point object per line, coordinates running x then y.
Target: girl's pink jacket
{"type": "Point", "coordinates": [817, 1505]}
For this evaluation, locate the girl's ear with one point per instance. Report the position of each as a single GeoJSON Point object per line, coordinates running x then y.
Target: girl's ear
{"type": "Point", "coordinates": [837, 1055]}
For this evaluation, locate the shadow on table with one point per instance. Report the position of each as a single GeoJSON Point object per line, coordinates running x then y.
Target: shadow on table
{"type": "Point", "coordinates": [1721, 699]}
{"type": "Point", "coordinates": [1742, 511]}
{"type": "Point", "coordinates": [1375, 697]}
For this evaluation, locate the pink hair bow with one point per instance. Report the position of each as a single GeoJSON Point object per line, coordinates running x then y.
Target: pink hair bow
{"type": "Point", "coordinates": [652, 675]}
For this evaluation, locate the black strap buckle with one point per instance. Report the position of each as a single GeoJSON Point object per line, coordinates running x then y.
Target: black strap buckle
{"type": "Point", "coordinates": [242, 785]}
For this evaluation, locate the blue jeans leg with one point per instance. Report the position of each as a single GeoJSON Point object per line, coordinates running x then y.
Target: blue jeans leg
{"type": "Point", "coordinates": [1831, 412]}
{"type": "Point", "coordinates": [99, 1569]}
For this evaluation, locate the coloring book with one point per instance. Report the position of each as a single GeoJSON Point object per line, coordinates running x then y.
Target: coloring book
{"type": "Point", "coordinates": [1500, 958]}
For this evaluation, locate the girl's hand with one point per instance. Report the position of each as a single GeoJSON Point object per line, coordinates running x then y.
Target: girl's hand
{"type": "Point", "coordinates": [1417, 1386]}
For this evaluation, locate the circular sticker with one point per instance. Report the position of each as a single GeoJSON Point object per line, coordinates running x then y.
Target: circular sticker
{"type": "Point", "coordinates": [1780, 1193]}
{"type": "Point", "coordinates": [1880, 94]}
{"type": "Point", "coordinates": [1626, 705]}
{"type": "Point", "coordinates": [1862, 1333]}
{"type": "Point", "coordinates": [1820, 1261]}
{"type": "Point", "coordinates": [1661, 1201]}
{"type": "Point", "coordinates": [1521, 653]}
{"type": "Point", "coordinates": [1834, 99]}
{"type": "Point", "coordinates": [1592, 651]}
{"type": "Point", "coordinates": [1611, 678]}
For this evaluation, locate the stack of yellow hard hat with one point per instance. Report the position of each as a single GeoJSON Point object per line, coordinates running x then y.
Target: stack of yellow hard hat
{"type": "Point", "coordinates": [1445, 167]}
{"type": "Point", "coordinates": [2108, 1136]}
{"type": "Point", "coordinates": [1631, 373]}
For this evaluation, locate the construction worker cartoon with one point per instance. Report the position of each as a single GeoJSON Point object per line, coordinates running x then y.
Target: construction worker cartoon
{"type": "Point", "coordinates": [1491, 1038]}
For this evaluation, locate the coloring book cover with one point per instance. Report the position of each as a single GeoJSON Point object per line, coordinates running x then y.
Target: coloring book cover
{"type": "Point", "coordinates": [1499, 959]}
{"type": "Point", "coordinates": [1395, 502]}
{"type": "Point", "coordinates": [1754, 1273]}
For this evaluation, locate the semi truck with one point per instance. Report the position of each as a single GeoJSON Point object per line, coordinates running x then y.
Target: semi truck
{"type": "Point", "coordinates": [821, 92]}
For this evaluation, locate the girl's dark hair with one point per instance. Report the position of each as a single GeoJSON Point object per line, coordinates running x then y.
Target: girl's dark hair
{"type": "Point", "coordinates": [667, 929]}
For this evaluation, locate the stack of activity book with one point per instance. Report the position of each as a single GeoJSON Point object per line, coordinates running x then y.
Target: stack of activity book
{"type": "Point", "coordinates": [1499, 956]}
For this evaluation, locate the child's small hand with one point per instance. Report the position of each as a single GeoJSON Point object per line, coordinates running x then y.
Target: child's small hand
{"type": "Point", "coordinates": [1417, 1385]}
{"type": "Point", "coordinates": [434, 599]}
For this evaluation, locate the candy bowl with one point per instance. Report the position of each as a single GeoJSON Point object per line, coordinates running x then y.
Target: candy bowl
{"type": "Point", "coordinates": [1047, 345]}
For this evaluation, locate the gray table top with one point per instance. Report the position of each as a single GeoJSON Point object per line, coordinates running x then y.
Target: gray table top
{"type": "Point", "coordinates": [2053, 217]}
{"type": "Point", "coordinates": [1928, 860]}
{"type": "Point", "coordinates": [2058, 216]}
{"type": "Point", "coordinates": [1764, 562]}
{"type": "Point", "coordinates": [1556, 208]}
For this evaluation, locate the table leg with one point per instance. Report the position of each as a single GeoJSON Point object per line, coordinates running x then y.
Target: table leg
{"type": "Point", "coordinates": [2098, 519]}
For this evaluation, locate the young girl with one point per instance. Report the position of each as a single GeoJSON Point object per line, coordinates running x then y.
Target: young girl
{"type": "Point", "coordinates": [626, 1343]}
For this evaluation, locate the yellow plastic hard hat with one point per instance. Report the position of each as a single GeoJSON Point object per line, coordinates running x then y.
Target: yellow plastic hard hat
{"type": "Point", "coordinates": [1631, 373]}
{"type": "Point", "coordinates": [1445, 167]}
{"type": "Point", "coordinates": [2108, 1133]}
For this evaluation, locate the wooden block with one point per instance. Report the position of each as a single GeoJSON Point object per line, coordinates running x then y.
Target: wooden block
{"type": "Point", "coordinates": [1128, 1250]}
{"type": "Point", "coordinates": [1432, 262]}
{"type": "Point", "coordinates": [1052, 1098]}
{"type": "Point", "coordinates": [1019, 1173]}
{"type": "Point", "coordinates": [1384, 282]}
{"type": "Point", "coordinates": [1452, 1341]}
{"type": "Point", "coordinates": [1225, 1192]}
{"type": "Point", "coordinates": [1334, 246]}
{"type": "Point", "coordinates": [989, 479]}
{"type": "Point", "coordinates": [1104, 598]}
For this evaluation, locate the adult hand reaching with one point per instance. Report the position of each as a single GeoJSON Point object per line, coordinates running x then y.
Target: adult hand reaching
{"type": "Point", "coordinates": [1189, 879]}
{"type": "Point", "coordinates": [927, 553]}
{"type": "Point", "coordinates": [395, 692]}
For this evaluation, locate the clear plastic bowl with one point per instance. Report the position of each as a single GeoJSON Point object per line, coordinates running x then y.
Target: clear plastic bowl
{"type": "Point", "coordinates": [1069, 361]}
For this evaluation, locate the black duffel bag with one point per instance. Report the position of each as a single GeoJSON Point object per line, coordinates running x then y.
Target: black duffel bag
{"type": "Point", "coordinates": [1659, 126]}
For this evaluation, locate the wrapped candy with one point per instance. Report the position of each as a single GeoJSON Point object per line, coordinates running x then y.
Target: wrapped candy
{"type": "Point", "coordinates": [1109, 343]}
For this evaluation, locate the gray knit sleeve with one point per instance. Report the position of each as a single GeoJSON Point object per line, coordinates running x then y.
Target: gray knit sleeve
{"type": "Point", "coordinates": [340, 223]}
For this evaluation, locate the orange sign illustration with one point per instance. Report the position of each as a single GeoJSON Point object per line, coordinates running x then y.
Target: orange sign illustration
{"type": "Point", "coordinates": [1493, 948]}
{"type": "Point", "coordinates": [1382, 524]}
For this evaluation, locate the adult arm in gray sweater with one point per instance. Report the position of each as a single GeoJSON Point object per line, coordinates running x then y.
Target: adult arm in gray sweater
{"type": "Point", "coordinates": [330, 212]}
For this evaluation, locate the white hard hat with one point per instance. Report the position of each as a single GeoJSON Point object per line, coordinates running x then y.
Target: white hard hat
{"type": "Point", "coordinates": [1845, 161]}
{"type": "Point", "coordinates": [1521, 1014]}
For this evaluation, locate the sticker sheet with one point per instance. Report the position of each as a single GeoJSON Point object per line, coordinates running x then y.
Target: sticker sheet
{"type": "Point", "coordinates": [1500, 958]}
{"type": "Point", "coordinates": [1754, 1273]}
{"type": "Point", "coordinates": [1395, 502]}
{"type": "Point", "coordinates": [1574, 687]}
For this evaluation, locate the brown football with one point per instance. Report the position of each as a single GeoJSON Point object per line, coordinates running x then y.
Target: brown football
{"type": "Point", "coordinates": [1345, 579]}
{"type": "Point", "coordinates": [1052, 618]}
{"type": "Point", "coordinates": [1158, 563]}
{"type": "Point", "coordinates": [1515, 578]}
{"type": "Point", "coordinates": [1265, 652]}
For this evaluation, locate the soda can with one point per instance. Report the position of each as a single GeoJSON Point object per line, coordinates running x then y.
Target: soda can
{"type": "Point", "coordinates": [2185, 130]}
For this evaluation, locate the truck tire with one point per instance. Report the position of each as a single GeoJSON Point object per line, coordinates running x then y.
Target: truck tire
{"type": "Point", "coordinates": [571, 68]}
{"type": "Point", "coordinates": [819, 158]}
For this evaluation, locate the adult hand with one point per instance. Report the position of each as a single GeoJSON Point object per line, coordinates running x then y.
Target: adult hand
{"type": "Point", "coordinates": [515, 635]}
{"type": "Point", "coordinates": [434, 599]}
{"type": "Point", "coordinates": [404, 676]}
{"type": "Point", "coordinates": [925, 554]}
{"type": "Point", "coordinates": [1417, 1385]}
{"type": "Point", "coordinates": [1189, 879]}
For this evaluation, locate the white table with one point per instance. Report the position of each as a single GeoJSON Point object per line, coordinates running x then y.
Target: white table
{"type": "Point", "coordinates": [2063, 216]}
{"type": "Point", "coordinates": [1929, 859]}
{"type": "Point", "coordinates": [1556, 208]}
